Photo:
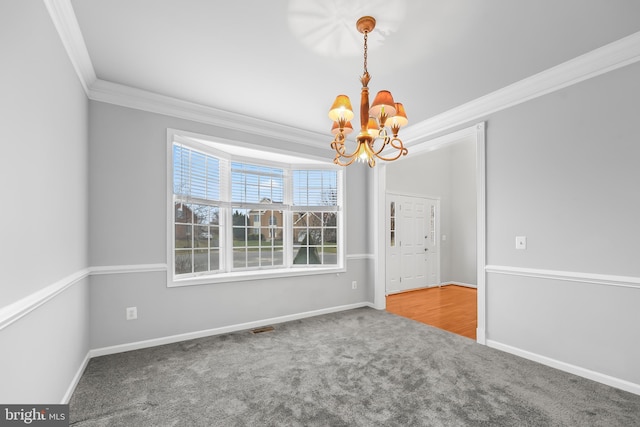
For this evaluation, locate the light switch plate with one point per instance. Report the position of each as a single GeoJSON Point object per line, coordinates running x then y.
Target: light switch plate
{"type": "Point", "coordinates": [521, 242]}
{"type": "Point", "coordinates": [132, 313]}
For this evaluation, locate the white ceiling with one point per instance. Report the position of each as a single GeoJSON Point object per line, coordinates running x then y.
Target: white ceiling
{"type": "Point", "coordinates": [284, 61]}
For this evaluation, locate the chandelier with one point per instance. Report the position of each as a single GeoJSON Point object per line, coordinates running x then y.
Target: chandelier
{"type": "Point", "coordinates": [375, 122]}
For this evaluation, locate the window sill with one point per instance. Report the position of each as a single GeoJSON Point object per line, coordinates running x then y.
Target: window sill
{"type": "Point", "coordinates": [211, 279]}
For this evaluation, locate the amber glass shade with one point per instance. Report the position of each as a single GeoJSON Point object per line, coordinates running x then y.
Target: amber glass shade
{"type": "Point", "coordinates": [400, 118]}
{"type": "Point", "coordinates": [348, 128]}
{"type": "Point", "coordinates": [383, 102]}
{"type": "Point", "coordinates": [341, 108]}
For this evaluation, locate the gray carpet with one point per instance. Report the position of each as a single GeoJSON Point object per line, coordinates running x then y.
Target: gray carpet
{"type": "Point", "coordinates": [356, 368]}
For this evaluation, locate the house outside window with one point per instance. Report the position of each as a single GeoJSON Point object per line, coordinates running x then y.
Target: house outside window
{"type": "Point", "coordinates": [238, 217]}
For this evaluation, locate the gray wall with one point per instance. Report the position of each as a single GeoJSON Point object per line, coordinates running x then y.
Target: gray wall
{"type": "Point", "coordinates": [43, 224]}
{"type": "Point", "coordinates": [127, 163]}
{"type": "Point", "coordinates": [563, 171]}
{"type": "Point", "coordinates": [462, 236]}
{"type": "Point", "coordinates": [447, 173]}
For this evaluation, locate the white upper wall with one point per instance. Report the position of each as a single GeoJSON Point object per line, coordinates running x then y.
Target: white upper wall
{"type": "Point", "coordinates": [463, 213]}
{"type": "Point", "coordinates": [43, 166]}
{"type": "Point", "coordinates": [44, 215]}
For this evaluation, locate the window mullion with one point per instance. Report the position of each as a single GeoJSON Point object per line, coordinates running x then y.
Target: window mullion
{"type": "Point", "coordinates": [225, 195]}
{"type": "Point", "coordinates": [287, 232]}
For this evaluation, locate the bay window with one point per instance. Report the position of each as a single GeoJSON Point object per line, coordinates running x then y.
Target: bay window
{"type": "Point", "coordinates": [235, 216]}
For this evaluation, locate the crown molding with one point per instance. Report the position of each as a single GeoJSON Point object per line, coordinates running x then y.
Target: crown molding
{"type": "Point", "coordinates": [607, 58]}
{"type": "Point", "coordinates": [64, 19]}
{"type": "Point", "coordinates": [126, 96]}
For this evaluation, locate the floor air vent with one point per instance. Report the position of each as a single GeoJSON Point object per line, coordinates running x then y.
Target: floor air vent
{"type": "Point", "coordinates": [262, 329]}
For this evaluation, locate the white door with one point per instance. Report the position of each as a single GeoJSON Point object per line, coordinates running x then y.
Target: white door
{"type": "Point", "coordinates": [412, 255]}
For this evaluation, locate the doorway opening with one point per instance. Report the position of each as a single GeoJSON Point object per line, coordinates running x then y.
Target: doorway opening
{"type": "Point", "coordinates": [470, 252]}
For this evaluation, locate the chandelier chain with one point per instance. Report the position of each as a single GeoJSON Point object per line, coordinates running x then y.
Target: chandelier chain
{"type": "Point", "coordinates": [365, 52]}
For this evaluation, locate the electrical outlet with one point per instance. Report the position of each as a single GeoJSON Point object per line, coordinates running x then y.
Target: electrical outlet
{"type": "Point", "coordinates": [354, 285]}
{"type": "Point", "coordinates": [521, 242]}
{"type": "Point", "coordinates": [132, 313]}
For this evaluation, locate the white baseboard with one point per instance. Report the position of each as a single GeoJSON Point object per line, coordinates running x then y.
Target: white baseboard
{"type": "Point", "coordinates": [567, 367]}
{"type": "Point", "coordinates": [218, 331]}
{"type": "Point", "coordinates": [76, 379]}
{"type": "Point", "coordinates": [481, 336]}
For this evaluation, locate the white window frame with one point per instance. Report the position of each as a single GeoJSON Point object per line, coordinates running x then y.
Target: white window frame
{"type": "Point", "coordinates": [237, 151]}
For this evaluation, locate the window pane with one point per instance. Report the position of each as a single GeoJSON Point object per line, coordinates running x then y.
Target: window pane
{"type": "Point", "coordinates": [329, 255]}
{"type": "Point", "coordinates": [201, 260]}
{"type": "Point", "coordinates": [256, 184]}
{"type": "Point", "coordinates": [259, 232]}
{"type": "Point", "coordinates": [201, 236]}
{"type": "Point", "coordinates": [195, 174]}
{"type": "Point", "coordinates": [201, 214]}
{"type": "Point", "coordinates": [253, 257]}
{"type": "Point", "coordinates": [239, 220]}
{"type": "Point", "coordinates": [315, 236]}
{"type": "Point", "coordinates": [329, 237]}
{"type": "Point", "coordinates": [315, 188]}
{"type": "Point", "coordinates": [181, 213]}
{"type": "Point", "coordinates": [278, 256]}
{"type": "Point", "coordinates": [214, 239]}
{"type": "Point", "coordinates": [239, 258]}
{"type": "Point", "coordinates": [299, 219]}
{"type": "Point", "coordinates": [214, 219]}
{"type": "Point", "coordinates": [306, 255]}
{"type": "Point", "coordinates": [183, 236]}
{"type": "Point", "coordinates": [183, 261]}
{"type": "Point", "coordinates": [214, 259]}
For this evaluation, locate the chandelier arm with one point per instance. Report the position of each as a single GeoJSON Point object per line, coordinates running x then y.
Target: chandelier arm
{"type": "Point", "coordinates": [341, 151]}
{"type": "Point", "coordinates": [402, 151]}
{"type": "Point", "coordinates": [400, 144]}
{"type": "Point", "coordinates": [385, 141]}
{"type": "Point", "coordinates": [337, 161]}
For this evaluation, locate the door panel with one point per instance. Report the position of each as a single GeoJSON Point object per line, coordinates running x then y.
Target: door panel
{"type": "Point", "coordinates": [412, 255]}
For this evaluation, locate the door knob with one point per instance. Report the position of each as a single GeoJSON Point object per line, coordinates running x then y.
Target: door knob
{"type": "Point", "coordinates": [426, 249]}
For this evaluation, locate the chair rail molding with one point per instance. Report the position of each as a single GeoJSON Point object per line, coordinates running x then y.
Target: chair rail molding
{"type": "Point", "coordinates": [570, 276]}
{"type": "Point", "coordinates": [15, 311]}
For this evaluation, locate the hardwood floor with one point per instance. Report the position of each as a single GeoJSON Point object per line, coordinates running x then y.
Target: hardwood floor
{"type": "Point", "coordinates": [451, 307]}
